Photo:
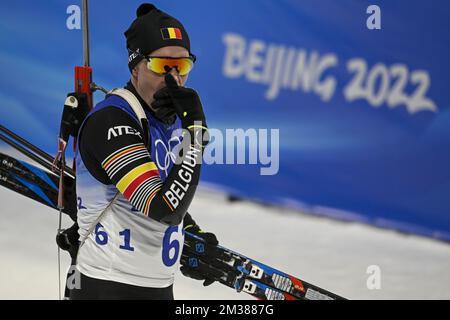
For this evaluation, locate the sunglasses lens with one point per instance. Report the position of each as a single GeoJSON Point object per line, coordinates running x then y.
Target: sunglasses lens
{"type": "Point", "coordinates": [162, 65]}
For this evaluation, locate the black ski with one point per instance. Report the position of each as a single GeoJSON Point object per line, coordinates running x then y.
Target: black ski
{"type": "Point", "coordinates": [36, 183]}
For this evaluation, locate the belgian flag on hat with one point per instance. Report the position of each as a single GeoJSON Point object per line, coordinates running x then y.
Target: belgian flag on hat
{"type": "Point", "coordinates": [171, 33]}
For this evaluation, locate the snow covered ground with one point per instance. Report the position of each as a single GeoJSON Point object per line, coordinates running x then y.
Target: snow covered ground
{"type": "Point", "coordinates": [331, 254]}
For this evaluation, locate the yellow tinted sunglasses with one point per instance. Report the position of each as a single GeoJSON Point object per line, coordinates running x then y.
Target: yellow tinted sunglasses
{"type": "Point", "coordinates": [162, 65]}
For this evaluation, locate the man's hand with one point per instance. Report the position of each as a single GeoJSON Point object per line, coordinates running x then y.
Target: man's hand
{"type": "Point", "coordinates": [186, 102]}
{"type": "Point", "coordinates": [200, 272]}
{"type": "Point", "coordinates": [209, 237]}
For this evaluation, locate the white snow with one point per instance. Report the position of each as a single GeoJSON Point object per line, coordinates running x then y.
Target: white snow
{"type": "Point", "coordinates": [331, 254]}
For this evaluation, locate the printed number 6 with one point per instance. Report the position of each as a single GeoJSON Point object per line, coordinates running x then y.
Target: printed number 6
{"type": "Point", "coordinates": [168, 246]}
{"type": "Point", "coordinates": [101, 237]}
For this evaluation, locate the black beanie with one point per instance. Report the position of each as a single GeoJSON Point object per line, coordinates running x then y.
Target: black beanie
{"type": "Point", "coordinates": [151, 30]}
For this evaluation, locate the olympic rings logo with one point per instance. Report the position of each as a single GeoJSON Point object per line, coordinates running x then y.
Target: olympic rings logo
{"type": "Point", "coordinates": [169, 156]}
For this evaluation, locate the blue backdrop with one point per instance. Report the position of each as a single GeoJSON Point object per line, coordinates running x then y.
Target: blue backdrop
{"type": "Point", "coordinates": [363, 115]}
